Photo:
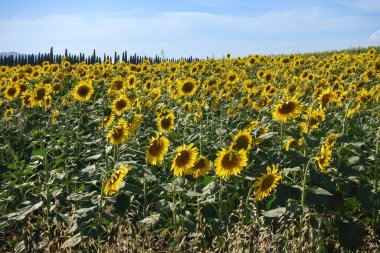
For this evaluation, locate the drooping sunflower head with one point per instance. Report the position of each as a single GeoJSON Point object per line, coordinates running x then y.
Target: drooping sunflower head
{"type": "Point", "coordinates": [230, 162]}
{"type": "Point", "coordinates": [8, 114]}
{"type": "Point", "coordinates": [293, 143]}
{"type": "Point", "coordinates": [184, 159]}
{"type": "Point", "coordinates": [108, 119]}
{"type": "Point", "coordinates": [119, 133]}
{"type": "Point", "coordinates": [242, 140]}
{"type": "Point", "coordinates": [267, 182]}
{"type": "Point", "coordinates": [157, 149]}
{"type": "Point", "coordinates": [114, 182]}
{"type": "Point", "coordinates": [287, 110]}
{"type": "Point", "coordinates": [201, 167]}
{"type": "Point", "coordinates": [120, 105]}
{"type": "Point", "coordinates": [324, 158]}
{"type": "Point", "coordinates": [83, 91]}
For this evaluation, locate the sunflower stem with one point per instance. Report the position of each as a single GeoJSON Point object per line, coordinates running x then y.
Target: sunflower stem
{"type": "Point", "coordinates": [220, 201]}
{"type": "Point", "coordinates": [144, 207]}
{"type": "Point", "coordinates": [304, 184]}
{"type": "Point", "coordinates": [174, 207]}
{"type": "Point", "coordinates": [281, 135]}
{"type": "Point", "coordinates": [376, 180]}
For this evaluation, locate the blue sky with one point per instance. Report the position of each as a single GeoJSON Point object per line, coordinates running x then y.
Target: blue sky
{"type": "Point", "coordinates": [182, 28]}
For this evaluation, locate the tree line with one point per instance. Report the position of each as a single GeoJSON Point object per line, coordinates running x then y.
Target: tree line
{"type": "Point", "coordinates": [38, 59]}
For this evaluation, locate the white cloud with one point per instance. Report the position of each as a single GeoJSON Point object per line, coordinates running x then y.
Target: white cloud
{"type": "Point", "coordinates": [375, 37]}
{"type": "Point", "coordinates": [183, 33]}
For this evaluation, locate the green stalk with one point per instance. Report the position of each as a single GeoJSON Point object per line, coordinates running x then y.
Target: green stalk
{"type": "Point", "coordinates": [220, 201]}
{"type": "Point", "coordinates": [174, 207]}
{"type": "Point", "coordinates": [376, 180]}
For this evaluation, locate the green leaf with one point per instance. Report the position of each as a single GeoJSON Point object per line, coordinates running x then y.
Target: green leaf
{"type": "Point", "coordinates": [267, 135]}
{"type": "Point", "coordinates": [274, 213]}
{"type": "Point", "coordinates": [72, 241]}
{"type": "Point", "coordinates": [320, 191]}
{"type": "Point", "coordinates": [153, 219]}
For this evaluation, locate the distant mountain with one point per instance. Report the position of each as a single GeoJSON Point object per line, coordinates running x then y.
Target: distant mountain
{"type": "Point", "coordinates": [10, 53]}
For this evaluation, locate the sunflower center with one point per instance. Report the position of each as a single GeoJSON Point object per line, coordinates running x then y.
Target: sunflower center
{"type": "Point", "coordinates": [231, 78]}
{"type": "Point", "coordinates": [230, 161]}
{"type": "Point", "coordinates": [118, 84]}
{"type": "Point", "coordinates": [182, 159]}
{"type": "Point", "coordinates": [121, 104]}
{"type": "Point", "coordinates": [188, 87]}
{"type": "Point", "coordinates": [267, 182]}
{"type": "Point", "coordinates": [155, 148]}
{"type": "Point", "coordinates": [166, 123]}
{"type": "Point", "coordinates": [287, 108]}
{"type": "Point", "coordinates": [200, 164]}
{"type": "Point", "coordinates": [325, 99]}
{"type": "Point", "coordinates": [40, 94]}
{"type": "Point", "coordinates": [11, 91]}
{"type": "Point", "coordinates": [83, 91]}
{"type": "Point", "coordinates": [242, 142]}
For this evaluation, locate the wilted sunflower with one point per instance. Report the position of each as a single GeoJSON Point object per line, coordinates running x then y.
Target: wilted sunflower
{"type": "Point", "coordinates": [11, 92]}
{"type": "Point", "coordinates": [287, 110]}
{"type": "Point", "coordinates": [184, 159]}
{"type": "Point", "coordinates": [242, 140]}
{"type": "Point", "coordinates": [201, 167]}
{"type": "Point", "coordinates": [120, 105]}
{"type": "Point", "coordinates": [114, 182]}
{"type": "Point", "coordinates": [83, 91]}
{"type": "Point", "coordinates": [165, 123]}
{"type": "Point", "coordinates": [119, 133]}
{"type": "Point", "coordinates": [230, 162]}
{"type": "Point", "coordinates": [157, 149]}
{"type": "Point", "coordinates": [267, 182]}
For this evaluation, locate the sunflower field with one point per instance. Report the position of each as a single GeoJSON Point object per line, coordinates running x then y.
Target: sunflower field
{"type": "Point", "coordinates": [255, 154]}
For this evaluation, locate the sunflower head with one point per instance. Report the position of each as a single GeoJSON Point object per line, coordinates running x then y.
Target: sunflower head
{"type": "Point", "coordinates": [157, 149]}
{"type": "Point", "coordinates": [165, 122]}
{"type": "Point", "coordinates": [267, 182]}
{"type": "Point", "coordinates": [120, 105]}
{"type": "Point", "coordinates": [201, 167]}
{"type": "Point", "coordinates": [113, 184]}
{"type": "Point", "coordinates": [83, 91]}
{"type": "Point", "coordinates": [230, 162]}
{"type": "Point", "coordinates": [242, 140]}
{"type": "Point", "coordinates": [119, 133]}
{"type": "Point", "coordinates": [188, 87]}
{"type": "Point", "coordinates": [11, 92]}
{"type": "Point", "coordinates": [184, 159]}
{"type": "Point", "coordinates": [287, 110]}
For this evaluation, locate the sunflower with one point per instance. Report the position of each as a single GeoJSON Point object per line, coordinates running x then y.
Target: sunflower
{"type": "Point", "coordinates": [157, 149]}
{"type": "Point", "coordinates": [242, 140]}
{"type": "Point", "coordinates": [188, 87]}
{"type": "Point", "coordinates": [267, 182]}
{"type": "Point", "coordinates": [83, 91]}
{"type": "Point", "coordinates": [39, 92]}
{"type": "Point", "coordinates": [120, 105]}
{"type": "Point", "coordinates": [165, 123]}
{"type": "Point", "coordinates": [107, 120]}
{"type": "Point", "coordinates": [312, 119]}
{"type": "Point", "coordinates": [114, 182]}
{"type": "Point", "coordinates": [324, 159]}
{"type": "Point", "coordinates": [286, 110]}
{"type": "Point", "coordinates": [132, 82]}
{"type": "Point", "coordinates": [8, 114]}
{"type": "Point", "coordinates": [11, 92]}
{"type": "Point", "coordinates": [292, 143]}
{"type": "Point", "coordinates": [201, 167]}
{"type": "Point", "coordinates": [232, 77]}
{"type": "Point", "coordinates": [119, 133]}
{"type": "Point", "coordinates": [230, 162]}
{"type": "Point", "coordinates": [184, 159]}
{"type": "Point", "coordinates": [134, 124]}
{"type": "Point", "coordinates": [326, 97]}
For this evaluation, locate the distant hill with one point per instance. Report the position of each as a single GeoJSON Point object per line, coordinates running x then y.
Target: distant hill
{"type": "Point", "coordinates": [10, 53]}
